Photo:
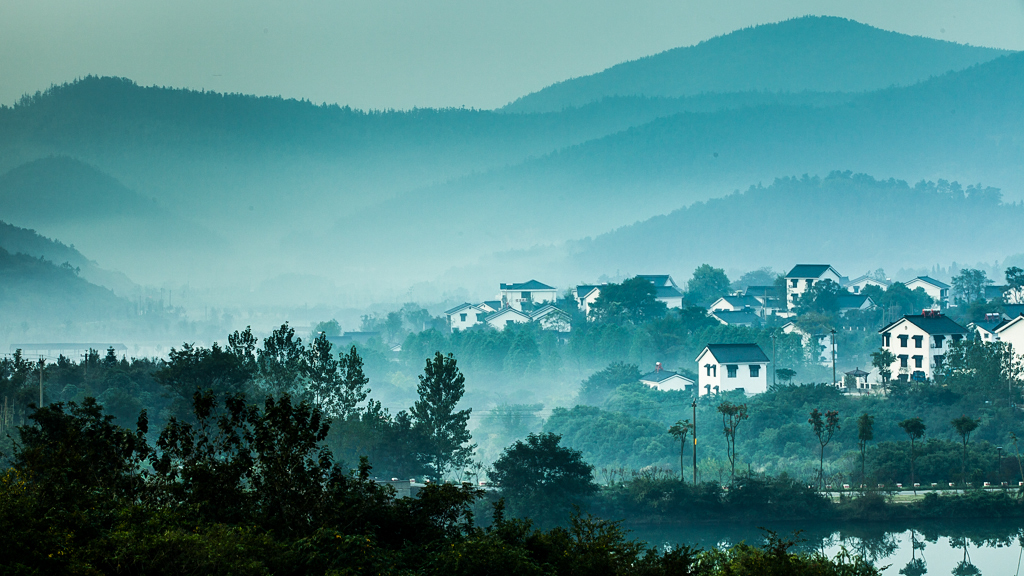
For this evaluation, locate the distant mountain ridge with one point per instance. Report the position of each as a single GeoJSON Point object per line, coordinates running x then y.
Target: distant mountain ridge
{"type": "Point", "coordinates": [967, 126]}
{"type": "Point", "coordinates": [812, 53]}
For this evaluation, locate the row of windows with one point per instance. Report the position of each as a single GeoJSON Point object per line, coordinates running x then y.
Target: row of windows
{"type": "Point", "coordinates": [937, 342]}
{"type": "Point", "coordinates": [731, 369]}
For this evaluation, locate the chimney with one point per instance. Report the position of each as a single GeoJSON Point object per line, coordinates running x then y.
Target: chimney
{"type": "Point", "coordinates": [657, 366]}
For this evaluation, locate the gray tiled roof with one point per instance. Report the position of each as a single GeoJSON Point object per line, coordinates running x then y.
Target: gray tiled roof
{"type": "Point", "coordinates": [939, 324]}
{"type": "Point", "coordinates": [530, 285]}
{"type": "Point", "coordinates": [809, 271]}
{"type": "Point", "coordinates": [660, 376]}
{"type": "Point", "coordinates": [931, 281]}
{"type": "Point", "coordinates": [738, 353]}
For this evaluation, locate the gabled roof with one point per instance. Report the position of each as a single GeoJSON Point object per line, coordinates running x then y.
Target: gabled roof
{"type": "Point", "coordinates": [811, 271]}
{"type": "Point", "coordinates": [868, 279]}
{"type": "Point", "coordinates": [854, 301]}
{"type": "Point", "coordinates": [530, 285]}
{"type": "Point", "coordinates": [738, 317]}
{"type": "Point", "coordinates": [544, 311]}
{"type": "Point", "coordinates": [760, 291]}
{"type": "Point", "coordinates": [738, 353]}
{"type": "Point", "coordinates": [989, 326]}
{"type": "Point", "coordinates": [659, 280]}
{"type": "Point", "coordinates": [740, 301]}
{"type": "Point", "coordinates": [858, 373]}
{"type": "Point", "coordinates": [937, 324]}
{"type": "Point", "coordinates": [667, 292]}
{"type": "Point", "coordinates": [505, 312]}
{"type": "Point", "coordinates": [460, 308]}
{"type": "Point", "coordinates": [1013, 310]}
{"type": "Point", "coordinates": [1009, 323]}
{"type": "Point", "coordinates": [993, 292]}
{"type": "Point", "coordinates": [928, 280]}
{"type": "Point", "coordinates": [662, 376]}
{"type": "Point", "coordinates": [494, 305]}
{"type": "Point", "coordinates": [584, 290]}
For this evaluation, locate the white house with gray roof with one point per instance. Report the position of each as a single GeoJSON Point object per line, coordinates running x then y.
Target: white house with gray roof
{"type": "Point", "coordinates": [465, 316]}
{"type": "Point", "coordinates": [722, 367]}
{"type": "Point", "coordinates": [515, 295]}
{"type": "Point", "coordinates": [939, 291]}
{"type": "Point", "coordinates": [662, 379]}
{"type": "Point", "coordinates": [666, 289]}
{"type": "Point", "coordinates": [803, 276]}
{"type": "Point", "coordinates": [586, 295]}
{"type": "Point", "coordinates": [920, 342]}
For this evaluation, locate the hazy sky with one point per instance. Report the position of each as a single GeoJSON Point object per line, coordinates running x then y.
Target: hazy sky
{"type": "Point", "coordinates": [405, 53]}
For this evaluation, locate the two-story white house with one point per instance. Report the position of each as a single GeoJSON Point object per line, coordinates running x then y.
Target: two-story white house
{"type": "Point", "coordinates": [939, 291]}
{"type": "Point", "coordinates": [1012, 332]}
{"type": "Point", "coordinates": [803, 276]}
{"type": "Point", "coordinates": [722, 367]}
{"type": "Point", "coordinates": [552, 318]}
{"type": "Point", "coordinates": [854, 302]}
{"type": "Point", "coordinates": [586, 295]}
{"type": "Point", "coordinates": [667, 290]}
{"type": "Point", "coordinates": [465, 316]}
{"type": "Point", "coordinates": [919, 343]}
{"type": "Point", "coordinates": [662, 379]}
{"type": "Point", "coordinates": [735, 304]}
{"type": "Point", "coordinates": [818, 346]}
{"type": "Point", "coordinates": [529, 293]}
{"type": "Point", "coordinates": [771, 303]}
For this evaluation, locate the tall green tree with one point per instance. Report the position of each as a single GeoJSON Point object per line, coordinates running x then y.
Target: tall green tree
{"type": "Point", "coordinates": [883, 359]}
{"type": "Point", "coordinates": [825, 426]}
{"type": "Point", "coordinates": [969, 286]}
{"type": "Point", "coordinates": [323, 379]}
{"type": "Point", "coordinates": [440, 389]}
{"type": "Point", "coordinates": [354, 382]}
{"type": "Point", "coordinates": [964, 426]}
{"type": "Point", "coordinates": [681, 429]}
{"type": "Point", "coordinates": [1014, 291]}
{"type": "Point", "coordinates": [280, 361]}
{"type": "Point", "coordinates": [914, 429]}
{"type": "Point", "coordinates": [707, 285]}
{"type": "Point", "coordinates": [865, 434]}
{"type": "Point", "coordinates": [732, 416]}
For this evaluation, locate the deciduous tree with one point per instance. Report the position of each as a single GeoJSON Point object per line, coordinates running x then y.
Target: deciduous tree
{"type": "Point", "coordinates": [964, 426]}
{"type": "Point", "coordinates": [825, 426]}
{"type": "Point", "coordinates": [914, 428]}
{"type": "Point", "coordinates": [732, 415]}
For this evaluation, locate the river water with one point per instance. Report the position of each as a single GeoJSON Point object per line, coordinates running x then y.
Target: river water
{"type": "Point", "coordinates": [960, 548]}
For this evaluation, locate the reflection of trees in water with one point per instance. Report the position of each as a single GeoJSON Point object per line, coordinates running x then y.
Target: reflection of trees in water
{"type": "Point", "coordinates": [916, 566]}
{"type": "Point", "coordinates": [963, 567]}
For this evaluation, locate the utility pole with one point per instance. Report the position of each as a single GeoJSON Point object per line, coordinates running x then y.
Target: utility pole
{"type": "Point", "coordinates": [774, 369]}
{"type": "Point", "coordinates": [833, 356]}
{"type": "Point", "coordinates": [695, 440]}
{"type": "Point", "coordinates": [41, 363]}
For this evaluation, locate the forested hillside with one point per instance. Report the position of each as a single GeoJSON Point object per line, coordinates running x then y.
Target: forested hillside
{"type": "Point", "coordinates": [23, 241]}
{"type": "Point", "coordinates": [965, 126]}
{"type": "Point", "coordinates": [824, 54]}
{"type": "Point", "coordinates": [65, 198]}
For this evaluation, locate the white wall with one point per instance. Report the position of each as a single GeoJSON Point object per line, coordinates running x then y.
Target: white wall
{"type": "Point", "coordinates": [514, 298]}
{"type": "Point", "coordinates": [472, 317]}
{"type": "Point", "coordinates": [720, 377]}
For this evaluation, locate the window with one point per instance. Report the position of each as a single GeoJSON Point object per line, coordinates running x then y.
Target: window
{"type": "Point", "coordinates": [794, 282]}
{"type": "Point", "coordinates": [462, 317]}
{"type": "Point", "coordinates": [755, 371]}
{"type": "Point", "coordinates": [903, 340]}
{"type": "Point", "coordinates": [940, 340]}
{"type": "Point", "coordinates": [885, 339]}
{"type": "Point", "coordinates": [525, 296]}
{"type": "Point", "coordinates": [810, 282]}
{"type": "Point", "coordinates": [917, 341]}
{"type": "Point", "coordinates": [938, 361]}
{"type": "Point", "coordinates": [731, 370]}
{"type": "Point", "coordinates": [708, 368]}
{"type": "Point", "coordinates": [917, 361]}
{"type": "Point", "coordinates": [856, 289]}
{"type": "Point", "coordinates": [903, 360]}
{"type": "Point", "coordinates": [958, 337]}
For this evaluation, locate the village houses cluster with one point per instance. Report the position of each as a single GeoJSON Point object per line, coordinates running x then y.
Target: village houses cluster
{"type": "Point", "coordinates": [918, 342]}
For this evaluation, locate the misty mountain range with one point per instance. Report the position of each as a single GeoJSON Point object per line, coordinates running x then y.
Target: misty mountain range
{"type": "Point", "coordinates": [283, 201]}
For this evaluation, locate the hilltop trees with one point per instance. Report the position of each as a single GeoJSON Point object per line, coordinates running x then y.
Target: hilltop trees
{"type": "Point", "coordinates": [969, 286]}
{"type": "Point", "coordinates": [634, 301]}
{"type": "Point", "coordinates": [707, 285]}
{"type": "Point", "coordinates": [440, 389]}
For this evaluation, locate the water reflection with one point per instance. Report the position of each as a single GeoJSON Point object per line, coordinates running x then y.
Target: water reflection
{"type": "Point", "coordinates": [959, 548]}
